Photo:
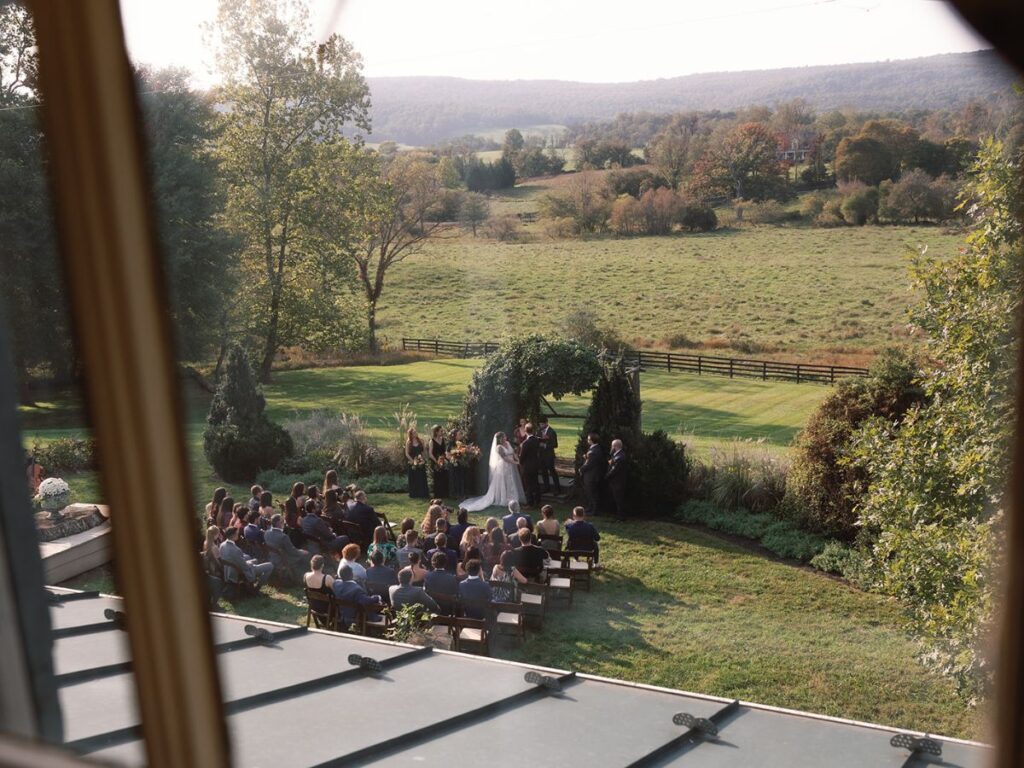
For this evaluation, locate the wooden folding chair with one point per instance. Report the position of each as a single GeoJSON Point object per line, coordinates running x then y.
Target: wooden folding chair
{"type": "Point", "coordinates": [560, 585]}
{"type": "Point", "coordinates": [374, 627]}
{"type": "Point", "coordinates": [509, 619]}
{"type": "Point", "coordinates": [320, 610]}
{"type": "Point", "coordinates": [451, 624]}
{"type": "Point", "coordinates": [552, 542]}
{"type": "Point", "coordinates": [580, 565]}
{"type": "Point", "coordinates": [534, 598]}
{"type": "Point", "coordinates": [473, 632]}
{"type": "Point", "coordinates": [449, 604]}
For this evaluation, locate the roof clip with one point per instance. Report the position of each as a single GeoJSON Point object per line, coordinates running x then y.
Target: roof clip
{"type": "Point", "coordinates": [701, 724]}
{"type": "Point", "coordinates": [546, 681]}
{"type": "Point", "coordinates": [116, 617]}
{"type": "Point", "coordinates": [262, 635]}
{"type": "Point", "coordinates": [916, 744]}
{"type": "Point", "coordinates": [365, 663]}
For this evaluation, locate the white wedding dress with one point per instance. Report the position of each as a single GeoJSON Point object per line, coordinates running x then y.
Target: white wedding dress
{"type": "Point", "coordinates": [504, 483]}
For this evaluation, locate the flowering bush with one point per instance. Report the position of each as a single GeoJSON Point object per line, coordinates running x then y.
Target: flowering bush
{"type": "Point", "coordinates": [54, 493]}
{"type": "Point", "coordinates": [464, 454]}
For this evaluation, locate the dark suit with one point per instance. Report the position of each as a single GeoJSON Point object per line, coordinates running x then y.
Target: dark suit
{"type": "Point", "coordinates": [441, 583]}
{"type": "Point", "coordinates": [352, 592]}
{"type": "Point", "coordinates": [582, 537]}
{"type": "Point", "coordinates": [593, 472]}
{"type": "Point", "coordinates": [451, 554]}
{"type": "Point", "coordinates": [548, 439]}
{"type": "Point", "coordinates": [508, 522]}
{"type": "Point", "coordinates": [319, 535]}
{"type": "Point", "coordinates": [283, 554]}
{"type": "Point", "coordinates": [616, 479]}
{"type": "Point", "coordinates": [529, 467]}
{"type": "Point", "coordinates": [401, 596]}
{"type": "Point", "coordinates": [379, 578]}
{"type": "Point", "coordinates": [531, 560]}
{"type": "Point", "coordinates": [474, 590]}
{"type": "Point", "coordinates": [363, 516]}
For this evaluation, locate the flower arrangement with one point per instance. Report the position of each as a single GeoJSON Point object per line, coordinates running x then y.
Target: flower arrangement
{"type": "Point", "coordinates": [417, 462]}
{"type": "Point", "coordinates": [54, 494]}
{"type": "Point", "coordinates": [464, 454]}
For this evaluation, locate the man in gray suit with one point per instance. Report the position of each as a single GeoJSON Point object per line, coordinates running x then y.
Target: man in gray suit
{"type": "Point", "coordinates": [284, 555]}
{"type": "Point", "coordinates": [406, 594]}
{"type": "Point", "coordinates": [244, 569]}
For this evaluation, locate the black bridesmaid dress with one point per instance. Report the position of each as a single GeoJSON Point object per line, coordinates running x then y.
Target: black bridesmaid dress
{"type": "Point", "coordinates": [440, 473]}
{"type": "Point", "coordinates": [418, 476]}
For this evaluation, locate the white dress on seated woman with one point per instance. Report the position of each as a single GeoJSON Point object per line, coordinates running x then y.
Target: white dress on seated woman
{"type": "Point", "coordinates": [504, 484]}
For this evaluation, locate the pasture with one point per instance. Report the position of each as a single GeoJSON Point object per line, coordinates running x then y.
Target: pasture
{"type": "Point", "coordinates": [822, 295]}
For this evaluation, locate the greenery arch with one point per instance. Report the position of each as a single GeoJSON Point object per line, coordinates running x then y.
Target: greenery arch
{"type": "Point", "coordinates": [513, 380]}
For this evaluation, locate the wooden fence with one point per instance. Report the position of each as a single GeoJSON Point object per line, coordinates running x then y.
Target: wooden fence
{"type": "Point", "coordinates": [711, 365]}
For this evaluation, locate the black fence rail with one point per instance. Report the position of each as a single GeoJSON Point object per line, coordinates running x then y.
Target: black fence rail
{"type": "Point", "coordinates": [733, 367]}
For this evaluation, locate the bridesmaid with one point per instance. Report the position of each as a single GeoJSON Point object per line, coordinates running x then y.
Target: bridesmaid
{"type": "Point", "coordinates": [456, 473]}
{"type": "Point", "coordinates": [438, 458]}
{"type": "Point", "coordinates": [417, 469]}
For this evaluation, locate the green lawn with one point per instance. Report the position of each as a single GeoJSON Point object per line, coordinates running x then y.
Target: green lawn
{"type": "Point", "coordinates": [815, 292]}
{"type": "Point", "coordinates": [682, 609]}
{"type": "Point", "coordinates": [704, 412]}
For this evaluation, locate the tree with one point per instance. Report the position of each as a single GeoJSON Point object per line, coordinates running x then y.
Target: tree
{"type": "Point", "coordinates": [934, 507]}
{"type": "Point", "coordinates": [286, 98]}
{"type": "Point", "coordinates": [407, 191]}
{"type": "Point", "coordinates": [673, 150]}
{"type": "Point", "coordinates": [859, 203]}
{"type": "Point", "coordinates": [917, 196]}
{"type": "Point", "coordinates": [239, 439]}
{"type": "Point", "coordinates": [198, 254]}
{"type": "Point", "coordinates": [745, 165]}
{"type": "Point", "coordinates": [475, 211]}
{"type": "Point", "coordinates": [863, 159]}
{"type": "Point", "coordinates": [585, 201]}
{"type": "Point", "coordinates": [513, 143]}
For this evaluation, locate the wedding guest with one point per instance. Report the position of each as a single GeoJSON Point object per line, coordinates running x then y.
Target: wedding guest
{"type": "Point", "coordinates": [474, 589]}
{"type": "Point", "coordinates": [214, 507]}
{"type": "Point", "coordinates": [318, 534]}
{"type": "Point", "coordinates": [456, 472]}
{"type": "Point", "coordinates": [456, 531]}
{"type": "Point", "coordinates": [211, 552]}
{"type": "Point", "coordinates": [428, 527]}
{"type": "Point", "coordinates": [313, 494]}
{"type": "Point", "coordinates": [315, 578]}
{"type": "Point", "coordinates": [251, 531]}
{"type": "Point", "coordinates": [473, 553]}
{"type": "Point", "coordinates": [387, 549]}
{"type": "Point", "coordinates": [267, 505]}
{"type": "Point", "coordinates": [283, 554]}
{"type": "Point", "coordinates": [406, 593]}
{"type": "Point", "coordinates": [407, 525]}
{"type": "Point", "coordinates": [616, 479]}
{"type": "Point", "coordinates": [470, 539]}
{"type": "Point", "coordinates": [415, 567]}
{"type": "Point", "coordinates": [509, 576]}
{"type": "Point", "coordinates": [412, 544]}
{"type": "Point", "coordinates": [238, 513]}
{"type": "Point", "coordinates": [350, 559]}
{"type": "Point", "coordinates": [490, 525]}
{"type": "Point", "coordinates": [531, 560]}
{"type": "Point", "coordinates": [509, 521]}
{"type": "Point", "coordinates": [417, 469]}
{"type": "Point", "coordinates": [363, 515]}
{"type": "Point", "coordinates": [246, 569]}
{"type": "Point", "coordinates": [548, 529]}
{"type": "Point", "coordinates": [331, 481]}
{"type": "Point", "coordinates": [333, 511]}
{"type": "Point", "coordinates": [254, 498]}
{"type": "Point", "coordinates": [441, 546]}
{"type": "Point", "coordinates": [582, 535]}
{"type": "Point", "coordinates": [439, 581]}
{"type": "Point", "coordinates": [437, 450]}
{"type": "Point", "coordinates": [223, 517]}
{"type": "Point", "coordinates": [592, 472]}
{"type": "Point", "coordinates": [346, 587]}
{"type": "Point", "coordinates": [379, 576]}
{"type": "Point", "coordinates": [493, 548]}
{"type": "Point", "coordinates": [294, 505]}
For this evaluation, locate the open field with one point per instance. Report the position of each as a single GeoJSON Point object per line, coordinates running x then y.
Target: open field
{"type": "Point", "coordinates": [705, 412]}
{"type": "Point", "coordinates": [809, 291]}
{"type": "Point", "coordinates": [682, 609]}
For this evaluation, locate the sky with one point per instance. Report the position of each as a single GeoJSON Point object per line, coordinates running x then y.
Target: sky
{"type": "Point", "coordinates": [585, 40]}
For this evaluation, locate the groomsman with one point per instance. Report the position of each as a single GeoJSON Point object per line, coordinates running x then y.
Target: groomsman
{"type": "Point", "coordinates": [548, 443]}
{"type": "Point", "coordinates": [616, 478]}
{"type": "Point", "coordinates": [529, 463]}
{"type": "Point", "coordinates": [592, 472]}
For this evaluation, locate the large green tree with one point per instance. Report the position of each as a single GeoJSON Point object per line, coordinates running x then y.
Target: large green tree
{"type": "Point", "coordinates": [745, 164]}
{"type": "Point", "coordinates": [287, 101]}
{"type": "Point", "coordinates": [934, 507]}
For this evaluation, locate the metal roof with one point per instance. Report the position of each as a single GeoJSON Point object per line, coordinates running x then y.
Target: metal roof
{"type": "Point", "coordinates": [298, 697]}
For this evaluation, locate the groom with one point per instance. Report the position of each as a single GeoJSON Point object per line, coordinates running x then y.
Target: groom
{"type": "Point", "coordinates": [529, 463]}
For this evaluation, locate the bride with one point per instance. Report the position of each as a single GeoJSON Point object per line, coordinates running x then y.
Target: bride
{"type": "Point", "coordinates": [505, 484]}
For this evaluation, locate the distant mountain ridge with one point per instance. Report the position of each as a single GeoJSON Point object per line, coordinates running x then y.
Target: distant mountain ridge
{"type": "Point", "coordinates": [425, 110]}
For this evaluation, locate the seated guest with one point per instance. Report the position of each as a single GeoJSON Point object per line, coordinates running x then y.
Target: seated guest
{"type": "Point", "coordinates": [214, 507]}
{"type": "Point", "coordinates": [294, 505]}
{"type": "Point", "coordinates": [581, 535]}
{"type": "Point", "coordinates": [412, 544]}
{"type": "Point", "coordinates": [510, 522]}
{"type": "Point", "coordinates": [548, 529]}
{"type": "Point", "coordinates": [330, 482]}
{"type": "Point", "coordinates": [244, 569]}
{"type": "Point", "coordinates": [346, 588]}
{"type": "Point", "coordinates": [266, 509]}
{"type": "Point", "coordinates": [333, 511]}
{"type": "Point", "coordinates": [254, 498]}
{"type": "Point", "coordinates": [471, 539]}
{"type": "Point", "coordinates": [441, 526]}
{"type": "Point", "coordinates": [211, 553]}
{"type": "Point", "coordinates": [509, 576]}
{"type": "Point", "coordinates": [283, 554]}
{"type": "Point", "coordinates": [441, 545]}
{"type": "Point", "coordinates": [434, 513]}
{"type": "Point", "coordinates": [493, 548]}
{"type": "Point", "coordinates": [315, 578]}
{"type": "Point", "coordinates": [363, 515]}
{"type": "Point", "coordinates": [474, 589]}
{"type": "Point", "coordinates": [378, 576]}
{"type": "Point", "coordinates": [407, 594]}
{"type": "Point", "coordinates": [313, 494]}
{"type": "Point", "coordinates": [490, 525]}
{"type": "Point", "coordinates": [318, 533]}
{"type": "Point", "coordinates": [515, 539]}
{"type": "Point", "coordinates": [386, 548]}
{"type": "Point", "coordinates": [531, 560]}
{"type": "Point", "coordinates": [456, 532]}
{"type": "Point", "coordinates": [350, 559]}
{"type": "Point", "coordinates": [473, 553]}
{"type": "Point", "coordinates": [252, 533]}
{"type": "Point", "coordinates": [415, 568]}
{"type": "Point", "coordinates": [439, 581]}
{"type": "Point", "coordinates": [408, 524]}
{"type": "Point", "coordinates": [238, 515]}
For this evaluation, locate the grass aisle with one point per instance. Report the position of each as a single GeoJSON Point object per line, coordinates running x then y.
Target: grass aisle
{"type": "Point", "coordinates": [678, 608]}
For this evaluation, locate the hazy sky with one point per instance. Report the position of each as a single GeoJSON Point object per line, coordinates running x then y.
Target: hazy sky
{"type": "Point", "coordinates": [589, 40]}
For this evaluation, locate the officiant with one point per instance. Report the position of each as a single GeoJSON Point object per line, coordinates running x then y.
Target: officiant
{"type": "Point", "coordinates": [548, 440]}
